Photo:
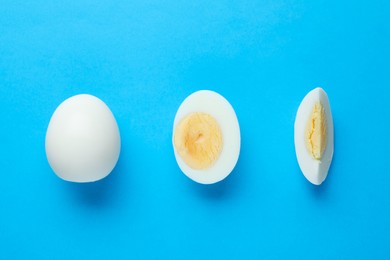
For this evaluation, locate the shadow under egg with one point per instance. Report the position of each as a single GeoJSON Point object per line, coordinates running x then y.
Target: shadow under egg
{"type": "Point", "coordinates": [225, 189]}
{"type": "Point", "coordinates": [98, 194]}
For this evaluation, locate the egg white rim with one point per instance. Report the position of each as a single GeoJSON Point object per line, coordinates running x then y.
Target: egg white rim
{"type": "Point", "coordinates": [212, 103]}
{"type": "Point", "coordinates": [315, 171]}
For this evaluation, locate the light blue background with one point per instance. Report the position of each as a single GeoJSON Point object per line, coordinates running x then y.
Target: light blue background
{"type": "Point", "coordinates": [143, 58]}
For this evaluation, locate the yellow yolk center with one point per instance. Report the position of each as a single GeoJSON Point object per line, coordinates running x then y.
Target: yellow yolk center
{"type": "Point", "coordinates": [316, 132]}
{"type": "Point", "coordinates": [198, 140]}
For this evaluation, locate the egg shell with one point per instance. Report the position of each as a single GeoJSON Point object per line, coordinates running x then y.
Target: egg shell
{"type": "Point", "coordinates": [82, 139]}
{"type": "Point", "coordinates": [315, 171]}
{"type": "Point", "coordinates": [218, 107]}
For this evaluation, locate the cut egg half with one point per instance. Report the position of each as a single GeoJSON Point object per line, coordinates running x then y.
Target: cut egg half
{"type": "Point", "coordinates": [314, 136]}
{"type": "Point", "coordinates": [206, 137]}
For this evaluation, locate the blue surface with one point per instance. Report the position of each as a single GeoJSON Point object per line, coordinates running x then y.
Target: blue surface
{"type": "Point", "coordinates": [143, 58]}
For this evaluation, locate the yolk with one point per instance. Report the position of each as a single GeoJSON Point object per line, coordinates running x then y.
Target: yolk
{"type": "Point", "coordinates": [316, 132]}
{"type": "Point", "coordinates": [198, 140]}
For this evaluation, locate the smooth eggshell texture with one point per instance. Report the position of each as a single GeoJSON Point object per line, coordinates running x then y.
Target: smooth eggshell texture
{"type": "Point", "coordinates": [82, 139]}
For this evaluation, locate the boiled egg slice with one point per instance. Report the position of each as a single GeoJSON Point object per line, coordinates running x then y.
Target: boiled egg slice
{"type": "Point", "coordinates": [313, 136]}
{"type": "Point", "coordinates": [206, 137]}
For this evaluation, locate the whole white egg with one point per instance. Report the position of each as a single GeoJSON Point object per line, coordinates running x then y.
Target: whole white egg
{"type": "Point", "coordinates": [206, 137]}
{"type": "Point", "coordinates": [314, 136]}
{"type": "Point", "coordinates": [82, 139]}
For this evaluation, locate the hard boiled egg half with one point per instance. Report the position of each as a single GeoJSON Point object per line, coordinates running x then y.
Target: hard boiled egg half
{"type": "Point", "coordinates": [313, 136]}
{"type": "Point", "coordinates": [82, 139]}
{"type": "Point", "coordinates": [206, 137]}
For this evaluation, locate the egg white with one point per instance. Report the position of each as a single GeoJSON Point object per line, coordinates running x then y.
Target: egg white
{"type": "Point", "coordinates": [82, 139]}
{"type": "Point", "coordinates": [314, 170]}
{"type": "Point", "coordinates": [217, 106]}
